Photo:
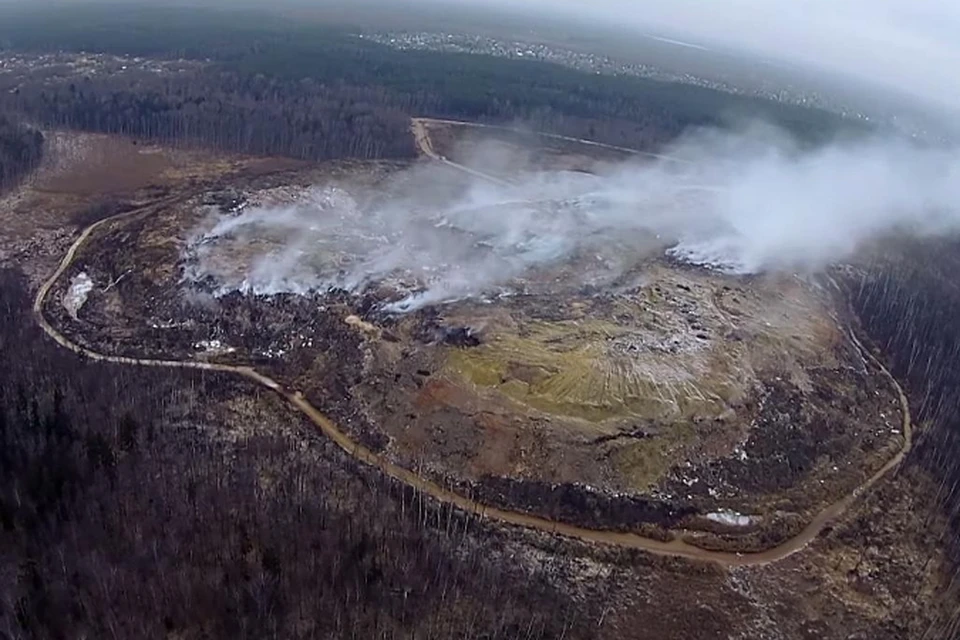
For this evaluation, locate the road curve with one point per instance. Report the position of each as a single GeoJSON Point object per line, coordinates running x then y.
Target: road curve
{"type": "Point", "coordinates": [676, 548]}
{"type": "Point", "coordinates": [425, 146]}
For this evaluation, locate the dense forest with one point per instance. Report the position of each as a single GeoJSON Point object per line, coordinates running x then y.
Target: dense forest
{"type": "Point", "coordinates": [227, 112]}
{"type": "Point", "coordinates": [121, 517]}
{"type": "Point", "coordinates": [317, 91]}
{"type": "Point", "coordinates": [21, 149]}
{"type": "Point", "coordinates": [909, 304]}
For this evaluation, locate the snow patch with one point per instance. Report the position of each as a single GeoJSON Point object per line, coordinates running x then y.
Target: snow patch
{"type": "Point", "coordinates": [213, 346]}
{"type": "Point", "coordinates": [76, 296]}
{"type": "Point", "coordinates": [731, 518]}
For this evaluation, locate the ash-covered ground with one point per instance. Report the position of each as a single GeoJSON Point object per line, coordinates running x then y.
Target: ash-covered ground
{"type": "Point", "coordinates": [534, 343]}
{"type": "Point", "coordinates": [419, 245]}
{"type": "Point", "coordinates": [742, 203]}
{"type": "Point", "coordinates": [876, 572]}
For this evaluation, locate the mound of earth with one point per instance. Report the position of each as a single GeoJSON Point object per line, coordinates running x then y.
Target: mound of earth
{"type": "Point", "coordinates": [669, 397]}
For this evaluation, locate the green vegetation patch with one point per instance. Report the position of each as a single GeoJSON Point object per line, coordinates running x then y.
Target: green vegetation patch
{"type": "Point", "coordinates": [569, 368]}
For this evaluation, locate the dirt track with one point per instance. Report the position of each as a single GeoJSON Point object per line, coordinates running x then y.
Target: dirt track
{"type": "Point", "coordinates": [675, 548]}
{"type": "Point", "coordinates": [426, 147]}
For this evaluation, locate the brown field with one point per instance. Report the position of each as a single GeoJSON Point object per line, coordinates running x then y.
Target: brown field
{"type": "Point", "coordinates": [688, 393]}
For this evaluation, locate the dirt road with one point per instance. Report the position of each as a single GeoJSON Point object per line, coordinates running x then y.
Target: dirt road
{"type": "Point", "coordinates": [418, 127]}
{"type": "Point", "coordinates": [676, 548]}
{"type": "Point", "coordinates": [419, 124]}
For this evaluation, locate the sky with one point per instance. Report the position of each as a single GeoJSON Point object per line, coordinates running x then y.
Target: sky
{"type": "Point", "coordinates": [913, 45]}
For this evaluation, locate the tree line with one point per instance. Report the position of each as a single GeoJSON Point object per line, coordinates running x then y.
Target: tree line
{"type": "Point", "coordinates": [908, 302]}
{"type": "Point", "coordinates": [21, 150]}
{"type": "Point", "coordinates": [317, 91]}
{"type": "Point", "coordinates": [225, 111]}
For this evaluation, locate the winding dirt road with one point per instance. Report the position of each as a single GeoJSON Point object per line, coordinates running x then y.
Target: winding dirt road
{"type": "Point", "coordinates": [676, 548]}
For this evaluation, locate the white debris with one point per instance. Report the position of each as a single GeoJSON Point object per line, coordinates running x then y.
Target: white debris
{"type": "Point", "coordinates": [730, 518]}
{"type": "Point", "coordinates": [169, 324]}
{"type": "Point", "coordinates": [213, 346]}
{"type": "Point", "coordinates": [80, 287]}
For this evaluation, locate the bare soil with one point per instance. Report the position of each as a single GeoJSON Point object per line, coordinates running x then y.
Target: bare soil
{"type": "Point", "coordinates": [685, 394]}
{"type": "Point", "coordinates": [877, 573]}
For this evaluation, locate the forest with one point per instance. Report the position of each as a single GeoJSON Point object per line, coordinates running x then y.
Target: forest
{"type": "Point", "coordinates": [120, 519]}
{"type": "Point", "coordinates": [908, 302]}
{"type": "Point", "coordinates": [21, 150]}
{"type": "Point", "coordinates": [318, 91]}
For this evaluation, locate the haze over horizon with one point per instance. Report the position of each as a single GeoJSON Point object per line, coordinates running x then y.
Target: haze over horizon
{"type": "Point", "coordinates": [910, 46]}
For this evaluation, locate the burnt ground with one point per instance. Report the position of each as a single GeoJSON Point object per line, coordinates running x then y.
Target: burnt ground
{"type": "Point", "coordinates": [683, 395]}
{"type": "Point", "coordinates": [875, 574]}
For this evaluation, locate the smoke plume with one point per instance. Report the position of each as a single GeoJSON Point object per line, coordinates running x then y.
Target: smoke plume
{"type": "Point", "coordinates": [738, 202]}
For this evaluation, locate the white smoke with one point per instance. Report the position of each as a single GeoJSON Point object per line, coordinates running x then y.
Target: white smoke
{"type": "Point", "coordinates": [742, 203]}
{"type": "Point", "coordinates": [785, 209]}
